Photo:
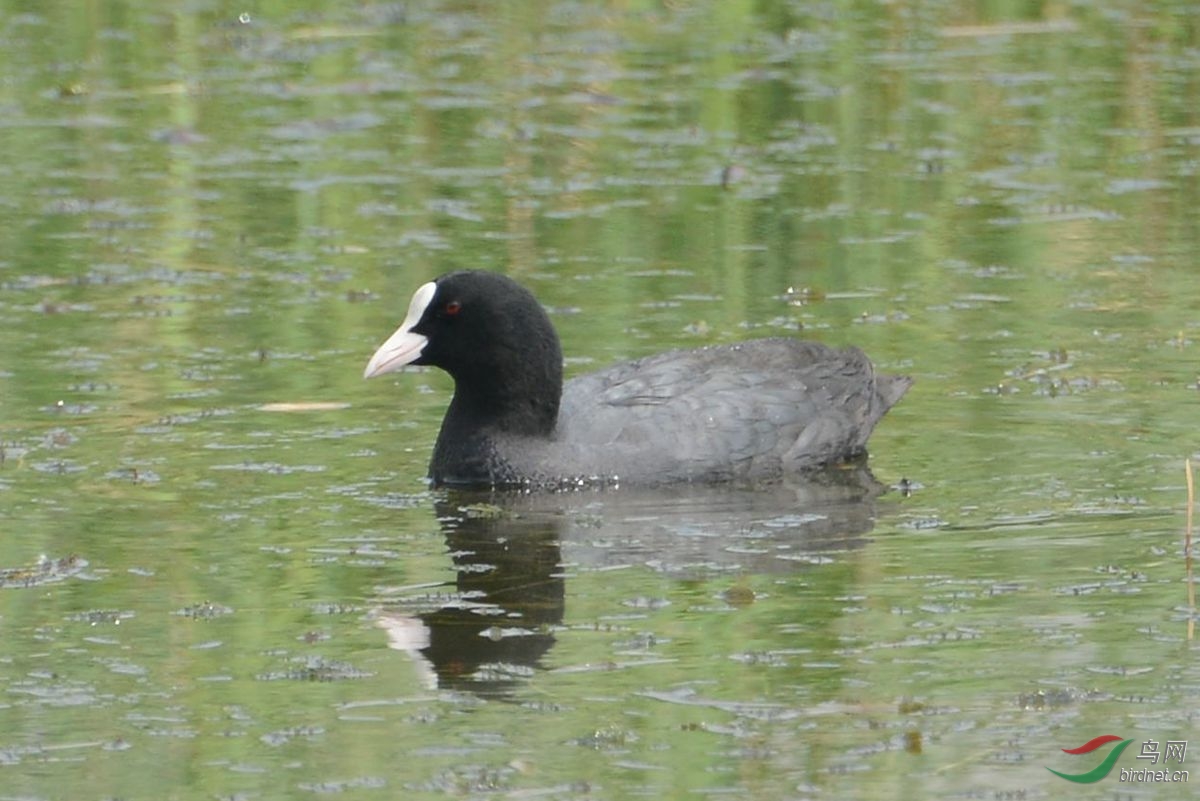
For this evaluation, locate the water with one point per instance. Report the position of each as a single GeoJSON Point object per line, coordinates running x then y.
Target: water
{"type": "Point", "coordinates": [222, 575]}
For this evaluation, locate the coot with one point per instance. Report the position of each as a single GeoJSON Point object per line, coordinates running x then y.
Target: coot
{"type": "Point", "coordinates": [754, 410]}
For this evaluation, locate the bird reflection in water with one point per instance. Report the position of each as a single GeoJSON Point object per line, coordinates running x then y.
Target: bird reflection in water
{"type": "Point", "coordinates": [512, 552]}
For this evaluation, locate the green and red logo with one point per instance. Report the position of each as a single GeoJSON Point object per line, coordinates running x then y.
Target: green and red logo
{"type": "Point", "coordinates": [1100, 771]}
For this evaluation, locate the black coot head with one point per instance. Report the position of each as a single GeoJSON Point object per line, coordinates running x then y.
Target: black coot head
{"type": "Point", "coordinates": [490, 334]}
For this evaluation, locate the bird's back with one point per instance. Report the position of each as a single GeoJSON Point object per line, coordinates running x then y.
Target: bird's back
{"type": "Point", "coordinates": [757, 409]}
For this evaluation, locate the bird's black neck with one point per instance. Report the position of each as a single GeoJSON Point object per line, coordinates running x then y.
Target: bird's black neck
{"type": "Point", "coordinates": [518, 400]}
{"type": "Point", "coordinates": [523, 408]}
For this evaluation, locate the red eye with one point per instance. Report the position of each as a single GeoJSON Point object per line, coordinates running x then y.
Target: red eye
{"type": "Point", "coordinates": [453, 307]}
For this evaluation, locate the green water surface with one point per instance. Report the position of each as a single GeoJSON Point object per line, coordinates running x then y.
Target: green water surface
{"type": "Point", "coordinates": [223, 576]}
